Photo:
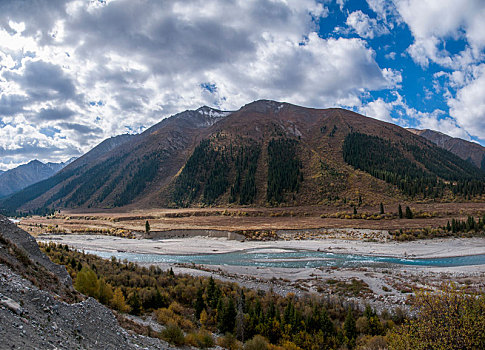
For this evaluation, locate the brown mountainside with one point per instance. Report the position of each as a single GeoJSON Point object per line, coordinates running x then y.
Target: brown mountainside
{"type": "Point", "coordinates": [464, 149]}
{"type": "Point", "coordinates": [266, 153]}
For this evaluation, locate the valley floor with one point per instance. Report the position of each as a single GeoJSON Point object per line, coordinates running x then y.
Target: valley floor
{"type": "Point", "coordinates": [382, 286]}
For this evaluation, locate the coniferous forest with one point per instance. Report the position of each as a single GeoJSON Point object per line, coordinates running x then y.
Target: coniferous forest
{"type": "Point", "coordinates": [284, 173]}
{"type": "Point", "coordinates": [205, 172]}
{"type": "Point", "coordinates": [211, 171]}
{"type": "Point", "coordinates": [246, 164]}
{"type": "Point", "coordinates": [388, 161]}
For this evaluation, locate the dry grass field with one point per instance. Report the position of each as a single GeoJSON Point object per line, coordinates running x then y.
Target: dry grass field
{"type": "Point", "coordinates": [427, 215]}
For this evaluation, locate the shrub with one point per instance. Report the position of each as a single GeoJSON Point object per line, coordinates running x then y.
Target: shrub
{"type": "Point", "coordinates": [257, 343]}
{"type": "Point", "coordinates": [229, 342]}
{"type": "Point", "coordinates": [202, 339]}
{"type": "Point", "coordinates": [173, 334]}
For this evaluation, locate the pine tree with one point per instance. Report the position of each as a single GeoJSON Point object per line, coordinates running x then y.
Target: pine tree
{"type": "Point", "coordinates": [240, 319]}
{"type": "Point", "coordinates": [135, 304]}
{"type": "Point", "coordinates": [409, 213]}
{"type": "Point", "coordinates": [147, 227]}
{"type": "Point", "coordinates": [382, 208]}
{"type": "Point", "coordinates": [227, 320]}
{"type": "Point", "coordinates": [350, 328]}
{"type": "Point", "coordinates": [400, 211]}
{"type": "Point", "coordinates": [199, 303]}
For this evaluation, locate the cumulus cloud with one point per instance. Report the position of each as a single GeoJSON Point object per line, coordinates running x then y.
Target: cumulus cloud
{"type": "Point", "coordinates": [365, 26]}
{"type": "Point", "coordinates": [433, 22]}
{"type": "Point", "coordinates": [399, 112]}
{"type": "Point", "coordinates": [43, 81]}
{"type": "Point", "coordinates": [378, 109]}
{"type": "Point", "coordinates": [468, 107]}
{"type": "Point", "coordinates": [83, 71]}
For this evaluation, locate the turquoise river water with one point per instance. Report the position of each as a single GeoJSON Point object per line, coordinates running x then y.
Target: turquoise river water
{"type": "Point", "coordinates": [291, 258]}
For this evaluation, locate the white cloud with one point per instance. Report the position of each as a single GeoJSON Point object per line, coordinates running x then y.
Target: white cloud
{"type": "Point", "coordinates": [433, 22]}
{"type": "Point", "coordinates": [468, 107]}
{"type": "Point", "coordinates": [341, 4]}
{"type": "Point", "coordinates": [82, 71]}
{"type": "Point", "coordinates": [365, 26]}
{"type": "Point", "coordinates": [385, 10]}
{"type": "Point", "coordinates": [378, 109]}
{"type": "Point", "coordinates": [399, 112]}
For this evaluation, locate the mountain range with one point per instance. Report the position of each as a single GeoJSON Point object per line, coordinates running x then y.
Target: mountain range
{"type": "Point", "coordinates": [24, 175]}
{"type": "Point", "coordinates": [266, 153]}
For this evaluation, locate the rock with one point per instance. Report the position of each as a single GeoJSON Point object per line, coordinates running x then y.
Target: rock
{"type": "Point", "coordinates": [11, 304]}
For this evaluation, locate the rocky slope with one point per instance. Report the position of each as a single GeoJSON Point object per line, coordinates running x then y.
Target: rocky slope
{"type": "Point", "coordinates": [37, 308]}
{"type": "Point", "coordinates": [464, 149]}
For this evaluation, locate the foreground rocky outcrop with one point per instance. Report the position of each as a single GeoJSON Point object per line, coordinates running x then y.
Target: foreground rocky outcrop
{"type": "Point", "coordinates": [37, 308]}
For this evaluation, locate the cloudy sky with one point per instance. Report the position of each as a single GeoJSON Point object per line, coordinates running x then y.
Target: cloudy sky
{"type": "Point", "coordinates": [73, 73]}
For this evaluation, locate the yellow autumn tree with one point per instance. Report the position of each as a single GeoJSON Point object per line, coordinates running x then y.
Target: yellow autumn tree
{"type": "Point", "coordinates": [449, 319]}
{"type": "Point", "coordinates": [118, 301]}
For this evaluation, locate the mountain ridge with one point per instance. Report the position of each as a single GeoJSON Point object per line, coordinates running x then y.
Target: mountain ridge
{"type": "Point", "coordinates": [464, 149]}
{"type": "Point", "coordinates": [213, 153]}
{"type": "Point", "coordinates": [24, 175]}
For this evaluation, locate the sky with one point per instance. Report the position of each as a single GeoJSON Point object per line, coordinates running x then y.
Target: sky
{"type": "Point", "coordinates": [73, 73]}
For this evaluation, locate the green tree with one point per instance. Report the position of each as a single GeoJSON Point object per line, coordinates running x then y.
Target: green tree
{"type": "Point", "coordinates": [199, 303]}
{"type": "Point", "coordinates": [399, 209]}
{"type": "Point", "coordinates": [105, 292]}
{"type": "Point", "coordinates": [135, 304]}
{"type": "Point", "coordinates": [409, 213]}
{"type": "Point", "coordinates": [147, 227]}
{"type": "Point", "coordinates": [350, 329]}
{"type": "Point", "coordinates": [382, 208]}
{"type": "Point", "coordinates": [87, 282]}
{"type": "Point", "coordinates": [228, 317]}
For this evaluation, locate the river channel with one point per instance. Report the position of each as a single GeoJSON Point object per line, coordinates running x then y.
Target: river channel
{"type": "Point", "coordinates": [291, 258]}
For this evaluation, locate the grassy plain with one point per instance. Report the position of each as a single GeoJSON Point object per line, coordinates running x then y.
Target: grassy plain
{"type": "Point", "coordinates": [426, 215]}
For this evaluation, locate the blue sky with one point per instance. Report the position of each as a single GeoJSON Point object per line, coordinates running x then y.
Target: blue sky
{"type": "Point", "coordinates": [74, 72]}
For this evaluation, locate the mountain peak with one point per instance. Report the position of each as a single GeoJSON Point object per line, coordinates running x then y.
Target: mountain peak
{"type": "Point", "coordinates": [35, 162]}
{"type": "Point", "coordinates": [264, 106]}
{"type": "Point", "coordinates": [212, 112]}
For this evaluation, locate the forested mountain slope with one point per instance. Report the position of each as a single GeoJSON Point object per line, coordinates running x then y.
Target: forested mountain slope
{"type": "Point", "coordinates": [266, 153]}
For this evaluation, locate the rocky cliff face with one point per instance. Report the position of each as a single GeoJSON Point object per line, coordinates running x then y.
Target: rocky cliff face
{"type": "Point", "coordinates": [37, 309]}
